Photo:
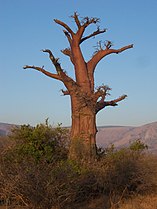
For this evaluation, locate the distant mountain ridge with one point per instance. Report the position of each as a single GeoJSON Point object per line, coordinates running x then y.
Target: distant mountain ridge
{"type": "Point", "coordinates": [120, 136]}
{"type": "Point", "coordinates": [124, 135]}
{"type": "Point", "coordinates": [5, 128]}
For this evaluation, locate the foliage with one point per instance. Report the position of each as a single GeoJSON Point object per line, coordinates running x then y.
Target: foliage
{"type": "Point", "coordinates": [41, 142]}
{"type": "Point", "coordinates": [138, 145]}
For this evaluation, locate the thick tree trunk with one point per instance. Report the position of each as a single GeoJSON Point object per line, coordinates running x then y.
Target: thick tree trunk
{"type": "Point", "coordinates": [86, 101]}
{"type": "Point", "coordinates": [83, 132]}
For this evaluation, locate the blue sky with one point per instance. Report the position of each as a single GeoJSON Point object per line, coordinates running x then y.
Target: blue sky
{"type": "Point", "coordinates": [26, 27]}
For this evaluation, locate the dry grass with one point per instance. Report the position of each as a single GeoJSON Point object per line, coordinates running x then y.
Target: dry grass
{"type": "Point", "coordinates": [10, 207]}
{"type": "Point", "coordinates": [140, 202]}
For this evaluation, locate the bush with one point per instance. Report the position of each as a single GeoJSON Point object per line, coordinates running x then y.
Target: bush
{"type": "Point", "coordinates": [128, 168]}
{"type": "Point", "coordinates": [128, 171]}
{"type": "Point", "coordinates": [35, 172]}
{"type": "Point", "coordinates": [27, 162]}
{"type": "Point", "coordinates": [40, 143]}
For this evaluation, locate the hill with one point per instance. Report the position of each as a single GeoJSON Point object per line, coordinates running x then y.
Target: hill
{"type": "Point", "coordinates": [5, 128]}
{"type": "Point", "coordinates": [122, 136]}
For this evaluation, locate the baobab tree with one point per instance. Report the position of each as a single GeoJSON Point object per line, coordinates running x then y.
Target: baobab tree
{"type": "Point", "coordinates": [86, 100]}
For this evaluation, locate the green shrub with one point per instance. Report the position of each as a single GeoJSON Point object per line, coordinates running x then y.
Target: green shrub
{"type": "Point", "coordinates": [138, 146]}
{"type": "Point", "coordinates": [40, 143]}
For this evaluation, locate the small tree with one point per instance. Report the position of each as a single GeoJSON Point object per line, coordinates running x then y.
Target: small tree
{"type": "Point", "coordinates": [86, 101]}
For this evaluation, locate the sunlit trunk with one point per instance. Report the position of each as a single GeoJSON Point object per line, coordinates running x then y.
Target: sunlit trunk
{"type": "Point", "coordinates": [83, 132]}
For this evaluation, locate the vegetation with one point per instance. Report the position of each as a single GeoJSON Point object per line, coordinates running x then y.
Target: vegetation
{"type": "Point", "coordinates": [41, 142]}
{"type": "Point", "coordinates": [86, 99]}
{"type": "Point", "coordinates": [36, 172]}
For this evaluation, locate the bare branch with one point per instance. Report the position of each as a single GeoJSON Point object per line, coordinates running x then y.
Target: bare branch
{"type": "Point", "coordinates": [54, 60]}
{"type": "Point", "coordinates": [67, 52]}
{"type": "Point", "coordinates": [102, 53]}
{"type": "Point", "coordinates": [65, 26]}
{"type": "Point", "coordinates": [87, 21]}
{"type": "Point", "coordinates": [117, 51]}
{"type": "Point", "coordinates": [52, 75]}
{"type": "Point", "coordinates": [108, 44]}
{"type": "Point", "coordinates": [98, 31]}
{"type": "Point", "coordinates": [114, 102]}
{"type": "Point", "coordinates": [61, 73]}
{"type": "Point", "coordinates": [102, 104]}
{"type": "Point", "coordinates": [75, 16]}
{"type": "Point", "coordinates": [68, 82]}
{"type": "Point", "coordinates": [101, 92]}
{"type": "Point", "coordinates": [98, 47]}
{"type": "Point", "coordinates": [68, 36]}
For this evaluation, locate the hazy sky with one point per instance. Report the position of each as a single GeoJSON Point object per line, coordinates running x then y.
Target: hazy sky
{"type": "Point", "coordinates": [26, 27]}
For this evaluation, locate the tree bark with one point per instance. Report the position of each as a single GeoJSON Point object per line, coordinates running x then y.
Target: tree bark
{"type": "Point", "coordinates": [83, 131]}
